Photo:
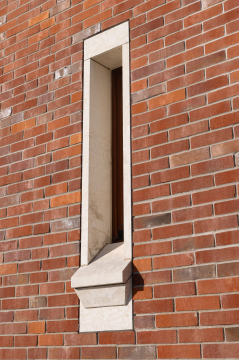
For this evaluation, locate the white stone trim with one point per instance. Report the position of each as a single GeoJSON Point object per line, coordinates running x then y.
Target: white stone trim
{"type": "Point", "coordinates": [107, 40]}
{"type": "Point", "coordinates": [103, 53]}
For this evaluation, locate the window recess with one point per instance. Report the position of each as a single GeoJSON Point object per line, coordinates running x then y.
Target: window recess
{"type": "Point", "coordinates": [117, 157]}
{"type": "Point", "coordinates": [103, 282]}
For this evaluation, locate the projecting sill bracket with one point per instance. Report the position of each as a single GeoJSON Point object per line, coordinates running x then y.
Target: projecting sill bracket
{"type": "Point", "coordinates": [104, 288]}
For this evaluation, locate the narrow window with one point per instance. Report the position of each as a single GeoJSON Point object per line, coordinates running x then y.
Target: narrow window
{"type": "Point", "coordinates": [104, 282]}
{"type": "Point", "coordinates": [117, 157]}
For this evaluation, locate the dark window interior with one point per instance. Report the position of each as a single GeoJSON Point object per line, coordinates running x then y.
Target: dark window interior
{"type": "Point", "coordinates": [117, 156]}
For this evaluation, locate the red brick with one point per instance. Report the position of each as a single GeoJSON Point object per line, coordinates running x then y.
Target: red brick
{"type": "Point", "coordinates": [212, 165]}
{"type": "Point", "coordinates": [141, 236]}
{"type": "Point", "coordinates": [39, 253]}
{"type": "Point", "coordinates": [200, 335]}
{"type": "Point", "coordinates": [169, 261]}
{"type": "Point", "coordinates": [220, 94]}
{"type": "Point", "coordinates": [153, 306]}
{"type": "Point", "coordinates": [155, 277]}
{"type": "Point", "coordinates": [50, 340]}
{"type": "Point", "coordinates": [231, 334]}
{"type": "Point", "coordinates": [192, 184]}
{"type": "Point", "coordinates": [15, 304]}
{"type": "Point", "coordinates": [230, 301]}
{"type": "Point", "coordinates": [193, 243]}
{"type": "Point", "coordinates": [18, 255]}
{"type": "Point", "coordinates": [218, 285]}
{"type": "Point", "coordinates": [171, 203]}
{"type": "Point", "coordinates": [72, 312]}
{"type": "Point", "coordinates": [53, 263]}
{"type": "Point", "coordinates": [198, 303]}
{"type": "Point", "coordinates": [226, 207]}
{"type": "Point", "coordinates": [214, 195]}
{"type": "Point", "coordinates": [140, 181]}
{"type": "Point", "coordinates": [62, 326]}
{"type": "Point", "coordinates": [220, 350]}
{"type": "Point", "coordinates": [6, 269]}
{"type": "Point", "coordinates": [150, 166]}
{"type": "Point", "coordinates": [179, 351]}
{"type": "Point", "coordinates": [172, 231]}
{"type": "Point", "coordinates": [194, 273]}
{"type": "Point", "coordinates": [170, 175]}
{"type": "Point", "coordinates": [173, 290]}
{"type": "Point", "coordinates": [29, 266]}
{"type": "Point", "coordinates": [222, 19]}
{"type": "Point", "coordinates": [117, 19]}
{"type": "Point", "coordinates": [123, 337]}
{"type": "Point", "coordinates": [5, 293]}
{"type": "Point", "coordinates": [227, 238]}
{"type": "Point", "coordinates": [37, 353]}
{"type": "Point", "coordinates": [170, 148]}
{"type": "Point", "coordinates": [38, 277]}
{"type": "Point", "coordinates": [186, 105]}
{"type": "Point", "coordinates": [226, 177]}
{"type": "Point", "coordinates": [151, 193]}
{"type": "Point", "coordinates": [210, 110]}
{"type": "Point", "coordinates": [142, 293]}
{"type": "Point", "coordinates": [6, 341]}
{"type": "Point", "coordinates": [102, 352]}
{"type": "Point", "coordinates": [80, 339]}
{"type": "Point", "coordinates": [55, 214]}
{"type": "Point", "coordinates": [189, 157]}
{"type": "Point", "coordinates": [138, 85]}
{"type": "Point", "coordinates": [192, 213]}
{"type": "Point", "coordinates": [66, 199]}
{"type": "Point", "coordinates": [16, 279]}
{"type": "Point", "coordinates": [28, 340]}
{"type": "Point", "coordinates": [17, 354]}
{"type": "Point", "coordinates": [52, 288]}
{"type": "Point", "coordinates": [140, 265]}
{"type": "Point", "coordinates": [64, 249]}
{"type": "Point", "coordinates": [156, 337]}
{"type": "Point", "coordinates": [51, 314]}
{"type": "Point", "coordinates": [228, 269]}
{"type": "Point", "coordinates": [13, 328]}
{"type": "Point", "coordinates": [223, 317]}
{"type": "Point", "coordinates": [172, 320]}
{"type": "Point", "coordinates": [144, 322]}
{"type": "Point", "coordinates": [218, 223]}
{"type": "Point", "coordinates": [64, 353]}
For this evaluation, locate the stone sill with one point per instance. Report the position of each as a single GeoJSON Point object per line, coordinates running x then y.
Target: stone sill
{"type": "Point", "coordinates": [107, 268]}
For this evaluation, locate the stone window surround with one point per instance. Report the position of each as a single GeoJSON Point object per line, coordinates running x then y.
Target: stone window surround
{"type": "Point", "coordinates": [104, 283]}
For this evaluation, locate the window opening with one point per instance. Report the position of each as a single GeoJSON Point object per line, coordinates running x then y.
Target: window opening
{"type": "Point", "coordinates": [103, 283]}
{"type": "Point", "coordinates": [117, 157]}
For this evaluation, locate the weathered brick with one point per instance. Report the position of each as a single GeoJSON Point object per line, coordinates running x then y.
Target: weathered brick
{"type": "Point", "coordinates": [200, 335]}
{"type": "Point", "coordinates": [137, 352]}
{"type": "Point", "coordinates": [194, 273]}
{"type": "Point", "coordinates": [173, 290]}
{"type": "Point", "coordinates": [152, 221]}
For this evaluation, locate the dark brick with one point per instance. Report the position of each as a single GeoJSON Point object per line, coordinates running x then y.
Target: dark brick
{"type": "Point", "coordinates": [148, 70]}
{"type": "Point", "coordinates": [152, 221]}
{"type": "Point", "coordinates": [65, 224]}
{"type": "Point", "coordinates": [228, 269]}
{"type": "Point", "coordinates": [194, 273]}
{"type": "Point", "coordinates": [148, 93]}
{"type": "Point", "coordinates": [137, 352]}
{"type": "Point", "coordinates": [232, 334]}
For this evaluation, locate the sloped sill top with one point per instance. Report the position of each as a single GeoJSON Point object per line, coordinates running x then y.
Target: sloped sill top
{"type": "Point", "coordinates": [108, 267]}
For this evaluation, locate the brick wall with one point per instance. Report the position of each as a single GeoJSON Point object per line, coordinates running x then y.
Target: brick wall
{"type": "Point", "coordinates": [185, 139]}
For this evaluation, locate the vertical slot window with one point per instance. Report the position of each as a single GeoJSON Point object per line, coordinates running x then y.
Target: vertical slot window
{"type": "Point", "coordinates": [103, 283]}
{"type": "Point", "coordinates": [117, 157]}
